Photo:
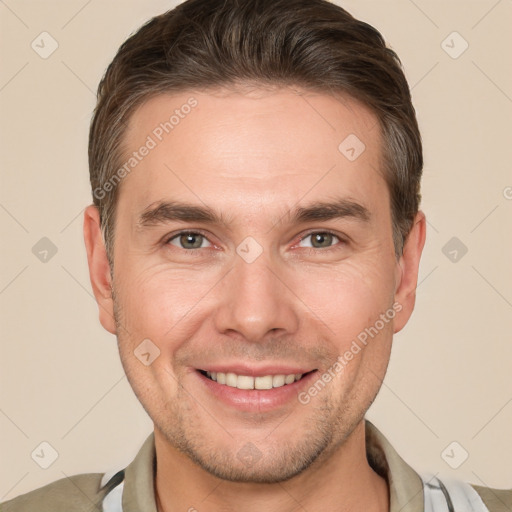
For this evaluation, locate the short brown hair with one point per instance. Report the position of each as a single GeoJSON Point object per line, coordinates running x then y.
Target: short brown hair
{"type": "Point", "coordinates": [205, 44]}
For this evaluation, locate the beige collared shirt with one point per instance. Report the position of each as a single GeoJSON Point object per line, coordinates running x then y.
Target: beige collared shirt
{"type": "Point", "coordinates": [85, 493]}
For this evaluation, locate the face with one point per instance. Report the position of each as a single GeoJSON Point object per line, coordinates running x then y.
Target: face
{"type": "Point", "coordinates": [254, 255]}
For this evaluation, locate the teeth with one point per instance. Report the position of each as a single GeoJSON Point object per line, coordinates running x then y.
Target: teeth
{"type": "Point", "coordinates": [248, 382]}
{"type": "Point", "coordinates": [231, 380]}
{"type": "Point", "coordinates": [245, 382]}
{"type": "Point", "coordinates": [263, 382]}
{"type": "Point", "coordinates": [278, 381]}
{"type": "Point", "coordinates": [289, 379]}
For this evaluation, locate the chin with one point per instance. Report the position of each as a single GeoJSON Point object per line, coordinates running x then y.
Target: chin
{"type": "Point", "coordinates": [252, 465]}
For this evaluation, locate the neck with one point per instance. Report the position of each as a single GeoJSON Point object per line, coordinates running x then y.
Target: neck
{"type": "Point", "coordinates": [339, 481]}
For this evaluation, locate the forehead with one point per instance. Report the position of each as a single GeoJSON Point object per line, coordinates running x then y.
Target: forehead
{"type": "Point", "coordinates": [251, 150]}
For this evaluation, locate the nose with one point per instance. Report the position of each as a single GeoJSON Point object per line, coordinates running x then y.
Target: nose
{"type": "Point", "coordinates": [256, 302]}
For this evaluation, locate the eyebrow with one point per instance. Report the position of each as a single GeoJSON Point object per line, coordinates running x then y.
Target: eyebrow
{"type": "Point", "coordinates": [323, 211]}
{"type": "Point", "coordinates": [168, 211]}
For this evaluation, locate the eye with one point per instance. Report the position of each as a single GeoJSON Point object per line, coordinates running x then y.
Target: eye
{"type": "Point", "coordinates": [319, 240]}
{"type": "Point", "coordinates": [189, 240]}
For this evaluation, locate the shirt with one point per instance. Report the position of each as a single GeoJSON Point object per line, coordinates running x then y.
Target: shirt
{"type": "Point", "coordinates": [86, 492]}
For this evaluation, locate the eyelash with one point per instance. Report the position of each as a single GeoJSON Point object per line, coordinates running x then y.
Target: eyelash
{"type": "Point", "coordinates": [341, 240]}
{"type": "Point", "coordinates": [184, 233]}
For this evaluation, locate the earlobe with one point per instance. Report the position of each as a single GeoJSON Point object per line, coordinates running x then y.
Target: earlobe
{"type": "Point", "coordinates": [99, 268]}
{"type": "Point", "coordinates": [407, 271]}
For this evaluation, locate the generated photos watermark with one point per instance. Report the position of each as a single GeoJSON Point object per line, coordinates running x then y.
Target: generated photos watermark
{"type": "Point", "coordinates": [356, 346]}
{"type": "Point", "coordinates": [156, 136]}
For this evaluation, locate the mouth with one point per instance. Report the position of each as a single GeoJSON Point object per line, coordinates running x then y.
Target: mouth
{"type": "Point", "coordinates": [273, 388]}
{"type": "Point", "coordinates": [248, 382]}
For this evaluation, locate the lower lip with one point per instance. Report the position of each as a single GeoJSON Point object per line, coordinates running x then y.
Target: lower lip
{"type": "Point", "coordinates": [256, 400]}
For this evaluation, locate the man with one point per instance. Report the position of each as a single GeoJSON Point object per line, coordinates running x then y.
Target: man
{"type": "Point", "coordinates": [254, 245]}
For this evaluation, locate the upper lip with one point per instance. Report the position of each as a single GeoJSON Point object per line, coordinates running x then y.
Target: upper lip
{"type": "Point", "coordinates": [253, 371]}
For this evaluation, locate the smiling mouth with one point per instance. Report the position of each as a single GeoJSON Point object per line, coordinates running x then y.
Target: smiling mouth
{"type": "Point", "coordinates": [248, 382]}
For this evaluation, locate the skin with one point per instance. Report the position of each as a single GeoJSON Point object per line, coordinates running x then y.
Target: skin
{"type": "Point", "coordinates": [254, 157]}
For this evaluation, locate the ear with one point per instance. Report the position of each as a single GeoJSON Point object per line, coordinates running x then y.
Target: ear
{"type": "Point", "coordinates": [407, 271]}
{"type": "Point", "coordinates": [99, 268]}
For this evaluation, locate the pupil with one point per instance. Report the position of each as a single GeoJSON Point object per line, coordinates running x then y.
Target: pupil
{"type": "Point", "coordinates": [323, 240]}
{"type": "Point", "coordinates": [191, 241]}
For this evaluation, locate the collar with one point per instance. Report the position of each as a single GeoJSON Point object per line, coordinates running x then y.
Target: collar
{"type": "Point", "coordinates": [405, 485]}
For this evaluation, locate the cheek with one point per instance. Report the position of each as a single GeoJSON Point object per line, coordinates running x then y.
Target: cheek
{"type": "Point", "coordinates": [349, 298]}
{"type": "Point", "coordinates": [162, 304]}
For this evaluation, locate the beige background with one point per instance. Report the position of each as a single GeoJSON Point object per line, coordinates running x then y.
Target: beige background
{"type": "Point", "coordinates": [450, 373]}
